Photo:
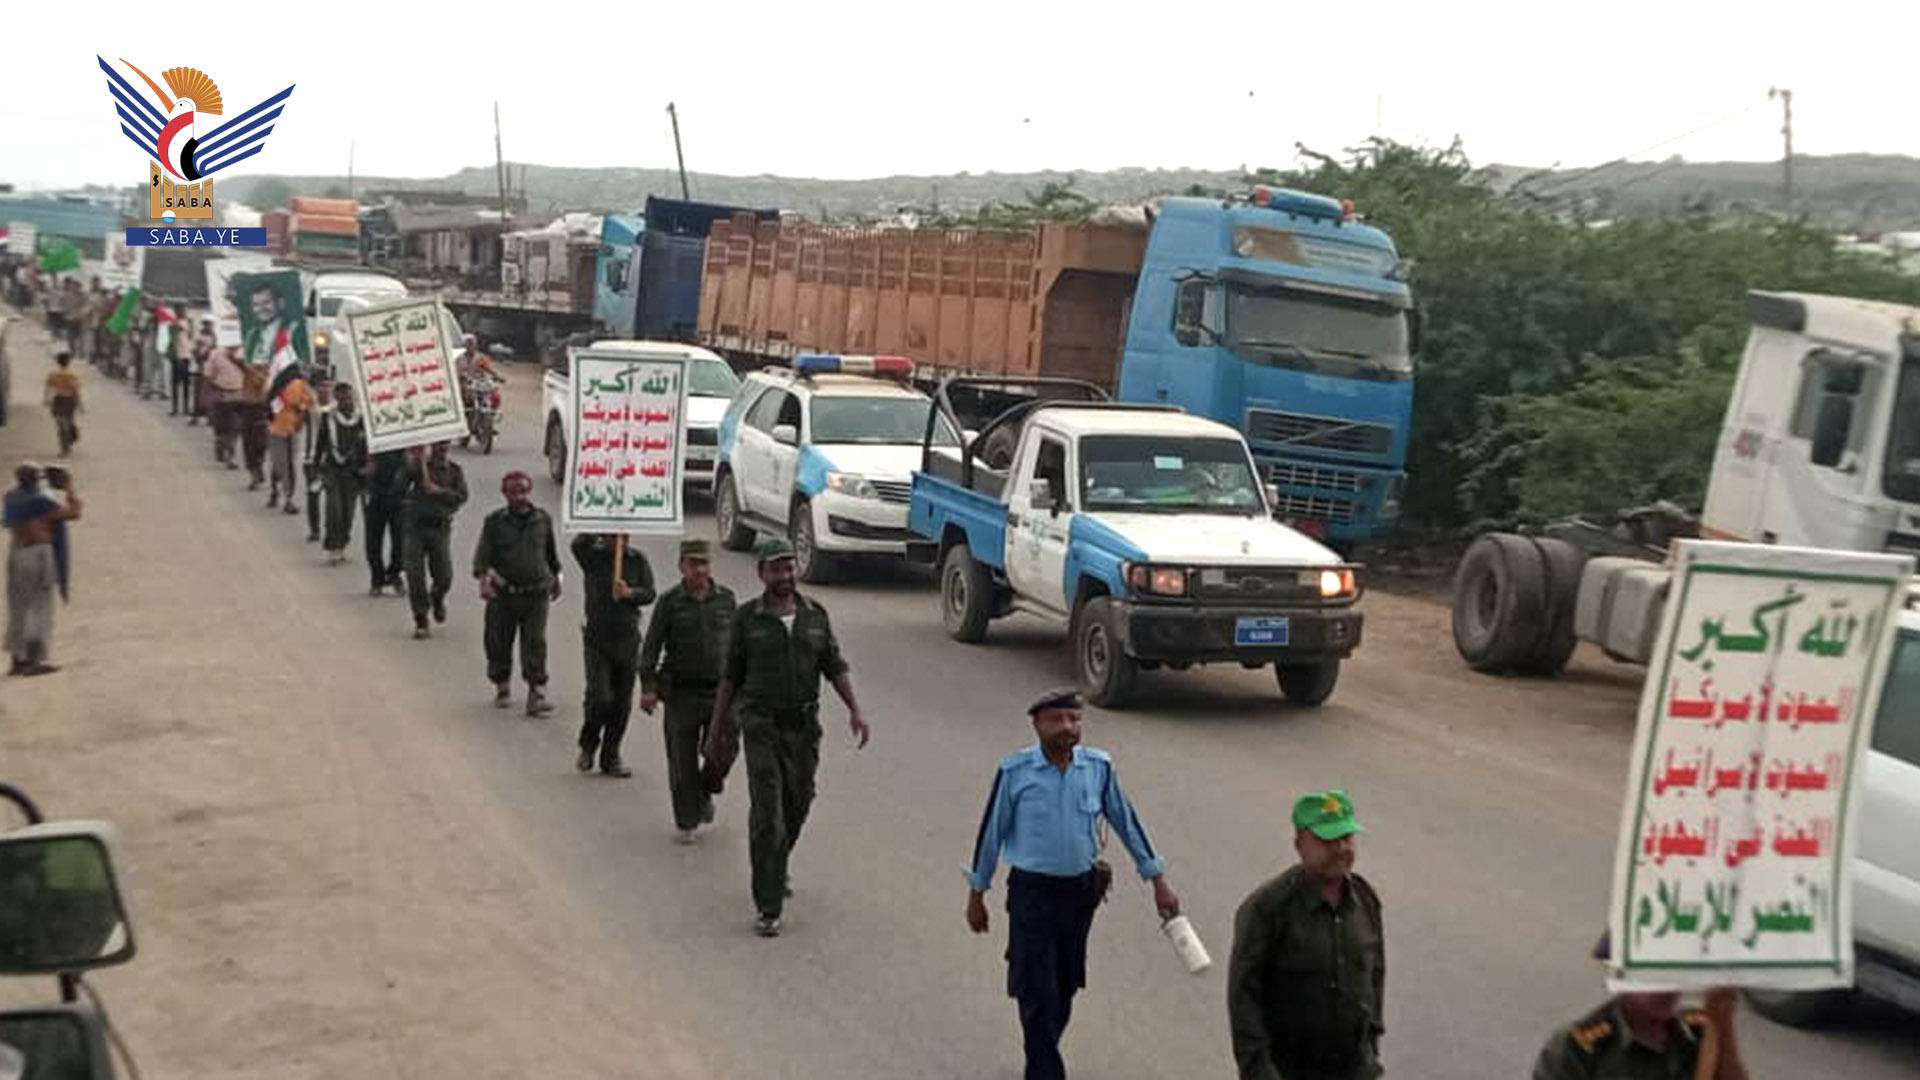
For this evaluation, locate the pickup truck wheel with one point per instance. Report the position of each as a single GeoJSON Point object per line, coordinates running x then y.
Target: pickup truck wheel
{"type": "Point", "coordinates": [1499, 602]}
{"type": "Point", "coordinates": [966, 593]}
{"type": "Point", "coordinates": [556, 451]}
{"type": "Point", "coordinates": [1562, 563]}
{"type": "Point", "coordinates": [1308, 684]}
{"type": "Point", "coordinates": [810, 564]}
{"type": "Point", "coordinates": [1801, 1009]}
{"type": "Point", "coordinates": [726, 517]}
{"type": "Point", "coordinates": [1108, 676]}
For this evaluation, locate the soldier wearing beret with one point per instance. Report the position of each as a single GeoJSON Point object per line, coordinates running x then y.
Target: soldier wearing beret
{"type": "Point", "coordinates": [1646, 1036]}
{"type": "Point", "coordinates": [780, 645]}
{"type": "Point", "coordinates": [681, 663]}
{"type": "Point", "coordinates": [1043, 811]}
{"type": "Point", "coordinates": [610, 644]}
{"type": "Point", "coordinates": [1307, 983]}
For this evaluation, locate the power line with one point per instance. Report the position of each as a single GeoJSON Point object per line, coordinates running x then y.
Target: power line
{"type": "Point", "coordinates": [1624, 158]}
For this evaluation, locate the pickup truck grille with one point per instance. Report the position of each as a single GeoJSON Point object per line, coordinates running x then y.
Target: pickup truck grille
{"type": "Point", "coordinates": [1259, 585]}
{"type": "Point", "coordinates": [1299, 507]}
{"type": "Point", "coordinates": [1317, 432]}
{"type": "Point", "coordinates": [893, 491]}
{"type": "Point", "coordinates": [703, 436]}
{"type": "Point", "coordinates": [1287, 474]}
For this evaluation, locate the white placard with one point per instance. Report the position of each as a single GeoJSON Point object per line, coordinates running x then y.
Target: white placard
{"type": "Point", "coordinates": [401, 362]}
{"type": "Point", "coordinates": [629, 433]}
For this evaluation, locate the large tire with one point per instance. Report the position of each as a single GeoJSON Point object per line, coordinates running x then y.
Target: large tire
{"type": "Point", "coordinates": [1499, 602]}
{"type": "Point", "coordinates": [1801, 1009]}
{"type": "Point", "coordinates": [1106, 674]}
{"type": "Point", "coordinates": [998, 453]}
{"type": "Point", "coordinates": [966, 595]}
{"type": "Point", "coordinates": [734, 536]}
{"type": "Point", "coordinates": [1308, 684]}
{"type": "Point", "coordinates": [1562, 563]}
{"type": "Point", "coordinates": [812, 565]}
{"type": "Point", "coordinates": [556, 448]}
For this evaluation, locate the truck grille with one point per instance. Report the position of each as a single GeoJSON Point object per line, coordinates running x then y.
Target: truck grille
{"type": "Point", "coordinates": [1295, 507]}
{"type": "Point", "coordinates": [1287, 474]}
{"type": "Point", "coordinates": [1253, 585]}
{"type": "Point", "coordinates": [1318, 432]}
{"type": "Point", "coordinates": [893, 491]}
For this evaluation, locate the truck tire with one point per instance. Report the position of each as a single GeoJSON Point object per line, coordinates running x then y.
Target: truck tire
{"type": "Point", "coordinates": [1802, 1008]}
{"type": "Point", "coordinates": [810, 564]}
{"type": "Point", "coordinates": [1308, 684]}
{"type": "Point", "coordinates": [1499, 602]}
{"type": "Point", "coordinates": [1107, 675]}
{"type": "Point", "coordinates": [998, 453]}
{"type": "Point", "coordinates": [734, 536]}
{"type": "Point", "coordinates": [556, 448]}
{"type": "Point", "coordinates": [966, 595]}
{"type": "Point", "coordinates": [1562, 563]}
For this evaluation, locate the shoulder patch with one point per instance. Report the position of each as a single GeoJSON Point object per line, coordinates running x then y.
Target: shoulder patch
{"type": "Point", "coordinates": [1587, 1035]}
{"type": "Point", "coordinates": [1016, 759]}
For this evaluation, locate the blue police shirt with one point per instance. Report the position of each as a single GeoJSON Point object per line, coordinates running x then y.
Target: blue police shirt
{"type": "Point", "coordinates": [1045, 818]}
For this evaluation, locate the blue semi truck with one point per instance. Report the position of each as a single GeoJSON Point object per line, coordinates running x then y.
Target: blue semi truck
{"type": "Point", "coordinates": [647, 276]}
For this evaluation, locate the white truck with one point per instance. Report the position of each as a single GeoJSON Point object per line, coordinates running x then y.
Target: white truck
{"type": "Point", "coordinates": [1143, 528]}
{"type": "Point", "coordinates": [1820, 447]}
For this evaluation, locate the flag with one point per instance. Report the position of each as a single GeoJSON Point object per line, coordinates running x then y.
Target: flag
{"type": "Point", "coordinates": [123, 314]}
{"type": "Point", "coordinates": [60, 255]}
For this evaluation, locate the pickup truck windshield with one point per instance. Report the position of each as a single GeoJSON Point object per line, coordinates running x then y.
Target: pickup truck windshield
{"type": "Point", "coordinates": [882, 420]}
{"type": "Point", "coordinates": [1902, 480]}
{"type": "Point", "coordinates": [711, 378]}
{"type": "Point", "coordinates": [1158, 474]}
{"type": "Point", "coordinates": [1317, 331]}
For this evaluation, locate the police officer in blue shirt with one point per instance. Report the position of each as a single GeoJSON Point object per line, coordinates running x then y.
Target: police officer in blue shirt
{"type": "Point", "coordinates": [1043, 811]}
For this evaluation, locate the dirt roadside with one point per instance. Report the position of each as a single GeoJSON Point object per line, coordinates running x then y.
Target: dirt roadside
{"type": "Point", "coordinates": [310, 902]}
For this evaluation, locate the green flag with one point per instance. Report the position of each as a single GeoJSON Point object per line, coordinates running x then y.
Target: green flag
{"type": "Point", "coordinates": [59, 255]}
{"type": "Point", "coordinates": [129, 300]}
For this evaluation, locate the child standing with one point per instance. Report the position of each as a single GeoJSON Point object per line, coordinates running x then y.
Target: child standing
{"type": "Point", "coordinates": [63, 400]}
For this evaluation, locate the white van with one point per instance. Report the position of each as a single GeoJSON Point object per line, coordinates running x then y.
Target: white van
{"type": "Point", "coordinates": [331, 294]}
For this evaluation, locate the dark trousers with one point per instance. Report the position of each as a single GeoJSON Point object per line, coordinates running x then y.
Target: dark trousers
{"type": "Point", "coordinates": [65, 409]}
{"type": "Point", "coordinates": [182, 391]}
{"type": "Point", "coordinates": [385, 540]}
{"type": "Point", "coordinates": [613, 663]}
{"type": "Point", "coordinates": [521, 615]}
{"type": "Point", "coordinates": [226, 430]}
{"type": "Point", "coordinates": [343, 488]}
{"type": "Point", "coordinates": [252, 420]}
{"type": "Point", "coordinates": [783, 754]}
{"type": "Point", "coordinates": [688, 712]}
{"type": "Point", "coordinates": [1048, 919]}
{"type": "Point", "coordinates": [427, 553]}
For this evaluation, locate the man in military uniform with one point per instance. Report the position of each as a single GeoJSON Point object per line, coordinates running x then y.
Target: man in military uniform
{"type": "Point", "coordinates": [681, 662]}
{"type": "Point", "coordinates": [779, 646]}
{"type": "Point", "coordinates": [386, 483]}
{"type": "Point", "coordinates": [435, 489]}
{"type": "Point", "coordinates": [610, 644]}
{"type": "Point", "coordinates": [1646, 1036]}
{"type": "Point", "coordinates": [519, 574]}
{"type": "Point", "coordinates": [1307, 982]}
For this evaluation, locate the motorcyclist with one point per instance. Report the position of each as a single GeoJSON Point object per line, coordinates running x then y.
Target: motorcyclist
{"type": "Point", "coordinates": [470, 364]}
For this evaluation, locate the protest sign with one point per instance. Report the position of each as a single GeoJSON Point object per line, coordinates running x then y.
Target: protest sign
{"type": "Point", "coordinates": [221, 296]}
{"type": "Point", "coordinates": [273, 324]}
{"type": "Point", "coordinates": [628, 412]}
{"type": "Point", "coordinates": [1732, 866]}
{"type": "Point", "coordinates": [123, 265]}
{"type": "Point", "coordinates": [399, 359]}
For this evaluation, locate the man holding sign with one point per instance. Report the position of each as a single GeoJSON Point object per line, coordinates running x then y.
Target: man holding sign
{"type": "Point", "coordinates": [1646, 1036]}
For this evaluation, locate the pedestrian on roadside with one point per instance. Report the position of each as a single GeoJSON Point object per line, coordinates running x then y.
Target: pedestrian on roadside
{"type": "Point", "coordinates": [203, 348]}
{"type": "Point", "coordinates": [386, 476]}
{"type": "Point", "coordinates": [63, 400]}
{"type": "Point", "coordinates": [1044, 810]}
{"type": "Point", "coordinates": [226, 378]}
{"type": "Point", "coordinates": [312, 480]}
{"type": "Point", "coordinates": [36, 564]}
{"type": "Point", "coordinates": [291, 400]}
{"type": "Point", "coordinates": [610, 644]}
{"type": "Point", "coordinates": [779, 646]}
{"type": "Point", "coordinates": [518, 569]}
{"type": "Point", "coordinates": [251, 417]}
{"type": "Point", "coordinates": [681, 663]}
{"type": "Point", "coordinates": [436, 489]}
{"type": "Point", "coordinates": [1646, 1036]}
{"type": "Point", "coordinates": [1306, 988]}
{"type": "Point", "coordinates": [180, 368]}
{"type": "Point", "coordinates": [340, 456]}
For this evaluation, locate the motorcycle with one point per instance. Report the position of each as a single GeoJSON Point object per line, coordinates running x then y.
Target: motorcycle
{"type": "Point", "coordinates": [483, 411]}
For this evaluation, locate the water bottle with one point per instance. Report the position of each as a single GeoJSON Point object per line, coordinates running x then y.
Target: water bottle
{"type": "Point", "coordinates": [1187, 943]}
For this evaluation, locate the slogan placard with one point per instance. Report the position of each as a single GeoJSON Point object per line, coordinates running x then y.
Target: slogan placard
{"type": "Point", "coordinates": [1735, 841]}
{"type": "Point", "coordinates": [123, 267]}
{"type": "Point", "coordinates": [401, 362]}
{"type": "Point", "coordinates": [628, 433]}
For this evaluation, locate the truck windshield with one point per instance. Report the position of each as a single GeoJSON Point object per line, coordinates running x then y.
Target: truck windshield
{"type": "Point", "coordinates": [1165, 475]}
{"type": "Point", "coordinates": [1318, 331]}
{"type": "Point", "coordinates": [882, 420]}
{"type": "Point", "coordinates": [711, 378]}
{"type": "Point", "coordinates": [1902, 480]}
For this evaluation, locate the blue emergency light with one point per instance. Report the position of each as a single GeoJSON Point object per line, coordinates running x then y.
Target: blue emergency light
{"type": "Point", "coordinates": [1303, 203]}
{"type": "Point", "coordinates": [888, 367]}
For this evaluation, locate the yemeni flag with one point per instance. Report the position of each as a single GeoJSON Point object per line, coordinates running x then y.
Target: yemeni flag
{"type": "Point", "coordinates": [123, 314]}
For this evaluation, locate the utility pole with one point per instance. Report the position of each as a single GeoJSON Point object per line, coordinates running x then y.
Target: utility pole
{"type": "Point", "coordinates": [499, 166]}
{"type": "Point", "coordinates": [349, 168]}
{"type": "Point", "coordinates": [1786, 161]}
{"type": "Point", "coordinates": [680, 158]}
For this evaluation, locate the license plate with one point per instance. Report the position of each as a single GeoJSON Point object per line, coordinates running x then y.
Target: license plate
{"type": "Point", "coordinates": [1261, 630]}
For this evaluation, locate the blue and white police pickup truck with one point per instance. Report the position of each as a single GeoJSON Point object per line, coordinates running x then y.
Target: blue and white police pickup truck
{"type": "Point", "coordinates": [1140, 526]}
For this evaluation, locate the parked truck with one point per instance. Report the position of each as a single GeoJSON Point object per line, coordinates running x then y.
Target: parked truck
{"type": "Point", "coordinates": [1142, 527]}
{"type": "Point", "coordinates": [647, 281]}
{"type": "Point", "coordinates": [1281, 315]}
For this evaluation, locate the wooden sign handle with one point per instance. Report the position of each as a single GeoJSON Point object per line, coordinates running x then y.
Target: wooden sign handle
{"type": "Point", "coordinates": [620, 557]}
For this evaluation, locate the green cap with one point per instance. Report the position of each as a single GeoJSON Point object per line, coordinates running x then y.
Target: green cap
{"type": "Point", "coordinates": [772, 549]}
{"type": "Point", "coordinates": [1328, 814]}
{"type": "Point", "coordinates": [695, 549]}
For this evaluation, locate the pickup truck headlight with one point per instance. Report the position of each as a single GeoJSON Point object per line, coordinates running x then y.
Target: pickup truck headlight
{"type": "Point", "coordinates": [852, 485]}
{"type": "Point", "coordinates": [1157, 580]}
{"type": "Point", "coordinates": [320, 340]}
{"type": "Point", "coordinates": [1333, 583]}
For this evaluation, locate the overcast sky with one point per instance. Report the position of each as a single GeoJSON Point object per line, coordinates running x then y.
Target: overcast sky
{"type": "Point", "coordinates": [843, 90]}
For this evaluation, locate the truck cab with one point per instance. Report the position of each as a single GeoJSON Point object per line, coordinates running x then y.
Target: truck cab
{"type": "Point", "coordinates": [1288, 319]}
{"type": "Point", "coordinates": [333, 293]}
{"type": "Point", "coordinates": [1147, 531]}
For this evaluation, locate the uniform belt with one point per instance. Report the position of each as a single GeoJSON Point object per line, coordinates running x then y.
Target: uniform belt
{"type": "Point", "coordinates": [1049, 881]}
{"type": "Point", "coordinates": [680, 683]}
{"type": "Point", "coordinates": [511, 589]}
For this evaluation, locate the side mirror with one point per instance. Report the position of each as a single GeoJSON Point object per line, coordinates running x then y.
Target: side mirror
{"type": "Point", "coordinates": [1189, 312]}
{"type": "Point", "coordinates": [786, 435]}
{"type": "Point", "coordinates": [61, 908]}
{"type": "Point", "coordinates": [1273, 496]}
{"type": "Point", "coordinates": [1040, 495]}
{"type": "Point", "coordinates": [56, 1042]}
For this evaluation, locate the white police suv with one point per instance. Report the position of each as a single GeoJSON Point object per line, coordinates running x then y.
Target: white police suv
{"type": "Point", "coordinates": [823, 453]}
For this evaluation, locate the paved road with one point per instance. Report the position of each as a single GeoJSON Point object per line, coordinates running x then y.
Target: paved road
{"type": "Point", "coordinates": [1490, 806]}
